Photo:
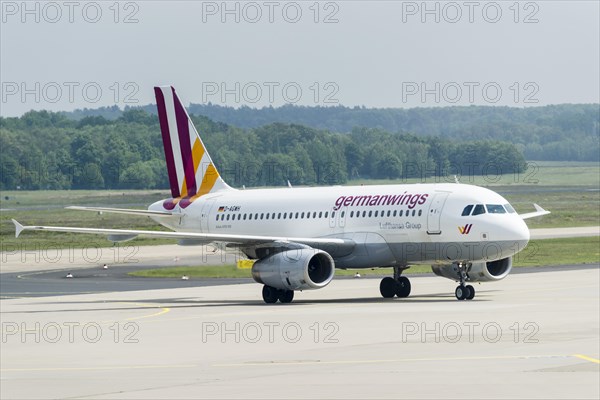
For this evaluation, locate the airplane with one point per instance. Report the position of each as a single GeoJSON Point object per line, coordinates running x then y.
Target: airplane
{"type": "Point", "coordinates": [298, 236]}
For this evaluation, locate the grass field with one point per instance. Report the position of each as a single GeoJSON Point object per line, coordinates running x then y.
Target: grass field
{"type": "Point", "coordinates": [571, 191]}
{"type": "Point", "coordinates": [538, 253]}
{"type": "Point", "coordinates": [538, 173]}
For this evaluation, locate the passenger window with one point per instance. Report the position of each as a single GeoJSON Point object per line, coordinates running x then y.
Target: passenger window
{"type": "Point", "coordinates": [342, 214]}
{"type": "Point", "coordinates": [351, 214]}
{"type": "Point", "coordinates": [420, 212]}
{"type": "Point", "coordinates": [479, 209]}
{"type": "Point", "coordinates": [320, 214]}
{"type": "Point", "coordinates": [495, 209]}
{"type": "Point", "coordinates": [267, 216]}
{"type": "Point", "coordinates": [227, 217]}
{"type": "Point", "coordinates": [414, 212]}
{"type": "Point", "coordinates": [256, 216]}
{"type": "Point", "coordinates": [314, 214]}
{"type": "Point", "coordinates": [262, 215]}
{"type": "Point", "coordinates": [364, 214]}
{"type": "Point", "coordinates": [401, 212]}
{"type": "Point", "coordinates": [239, 216]}
{"type": "Point", "coordinates": [394, 214]}
{"type": "Point", "coordinates": [279, 216]}
{"type": "Point", "coordinates": [302, 215]}
{"type": "Point", "coordinates": [389, 212]}
{"type": "Point", "coordinates": [333, 214]}
{"type": "Point", "coordinates": [509, 208]}
{"type": "Point", "coordinates": [326, 214]}
{"type": "Point", "coordinates": [376, 212]}
{"type": "Point", "coordinates": [370, 214]}
{"type": "Point", "coordinates": [250, 216]}
{"type": "Point", "coordinates": [467, 210]}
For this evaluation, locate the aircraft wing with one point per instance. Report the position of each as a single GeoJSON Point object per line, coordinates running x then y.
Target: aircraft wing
{"type": "Point", "coordinates": [129, 211]}
{"type": "Point", "coordinates": [241, 240]}
{"type": "Point", "coordinates": [539, 211]}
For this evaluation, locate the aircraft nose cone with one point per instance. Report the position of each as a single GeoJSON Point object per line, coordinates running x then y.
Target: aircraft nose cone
{"type": "Point", "coordinates": [519, 234]}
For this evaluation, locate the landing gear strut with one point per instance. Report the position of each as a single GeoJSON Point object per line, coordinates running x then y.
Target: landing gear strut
{"type": "Point", "coordinates": [463, 292]}
{"type": "Point", "coordinates": [271, 295]}
{"type": "Point", "coordinates": [396, 286]}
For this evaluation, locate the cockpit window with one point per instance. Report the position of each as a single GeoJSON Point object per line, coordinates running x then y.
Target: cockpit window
{"type": "Point", "coordinates": [479, 209]}
{"type": "Point", "coordinates": [467, 210]}
{"type": "Point", "coordinates": [495, 209]}
{"type": "Point", "coordinates": [509, 208]}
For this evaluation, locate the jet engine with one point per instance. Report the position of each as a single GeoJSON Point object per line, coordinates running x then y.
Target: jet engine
{"type": "Point", "coordinates": [298, 269]}
{"type": "Point", "coordinates": [477, 272]}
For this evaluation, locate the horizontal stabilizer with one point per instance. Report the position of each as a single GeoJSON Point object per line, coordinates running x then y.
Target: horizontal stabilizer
{"type": "Point", "coordinates": [146, 213]}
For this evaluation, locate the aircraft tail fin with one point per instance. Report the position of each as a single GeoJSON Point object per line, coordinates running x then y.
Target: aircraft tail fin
{"type": "Point", "coordinates": [191, 170]}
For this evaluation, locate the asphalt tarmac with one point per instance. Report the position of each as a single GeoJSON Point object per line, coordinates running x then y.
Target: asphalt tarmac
{"type": "Point", "coordinates": [532, 335]}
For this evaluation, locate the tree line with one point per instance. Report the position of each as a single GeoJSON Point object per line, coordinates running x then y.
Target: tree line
{"type": "Point", "coordinates": [46, 150]}
{"type": "Point", "coordinates": [564, 132]}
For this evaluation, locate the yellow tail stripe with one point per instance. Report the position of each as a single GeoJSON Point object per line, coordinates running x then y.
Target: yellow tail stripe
{"type": "Point", "coordinates": [208, 181]}
{"type": "Point", "coordinates": [184, 188]}
{"type": "Point", "coordinates": [197, 153]}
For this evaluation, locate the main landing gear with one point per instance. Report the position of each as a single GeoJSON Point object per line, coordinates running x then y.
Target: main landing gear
{"type": "Point", "coordinates": [396, 286]}
{"type": "Point", "coordinates": [271, 295]}
{"type": "Point", "coordinates": [463, 292]}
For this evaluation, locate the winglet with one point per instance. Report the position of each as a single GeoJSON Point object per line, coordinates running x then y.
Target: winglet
{"type": "Point", "coordinates": [18, 228]}
{"type": "Point", "coordinates": [539, 211]}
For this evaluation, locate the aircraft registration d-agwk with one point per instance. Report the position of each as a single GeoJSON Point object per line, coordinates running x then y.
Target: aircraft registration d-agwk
{"type": "Point", "coordinates": [298, 236]}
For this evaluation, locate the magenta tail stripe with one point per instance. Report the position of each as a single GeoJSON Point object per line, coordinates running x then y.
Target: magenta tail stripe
{"type": "Point", "coordinates": [185, 145]}
{"type": "Point", "coordinates": [164, 129]}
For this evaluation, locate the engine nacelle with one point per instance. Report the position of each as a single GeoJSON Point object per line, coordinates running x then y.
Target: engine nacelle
{"type": "Point", "coordinates": [477, 272]}
{"type": "Point", "coordinates": [299, 269]}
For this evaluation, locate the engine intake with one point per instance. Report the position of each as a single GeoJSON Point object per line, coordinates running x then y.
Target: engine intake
{"type": "Point", "coordinates": [299, 269]}
{"type": "Point", "coordinates": [477, 272]}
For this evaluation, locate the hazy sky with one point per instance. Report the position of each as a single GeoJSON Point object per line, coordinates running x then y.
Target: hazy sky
{"type": "Point", "coordinates": [67, 55]}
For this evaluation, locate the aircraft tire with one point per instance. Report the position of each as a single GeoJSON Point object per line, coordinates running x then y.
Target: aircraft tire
{"type": "Point", "coordinates": [388, 287]}
{"type": "Point", "coordinates": [286, 296]}
{"type": "Point", "coordinates": [403, 289]}
{"type": "Point", "coordinates": [270, 294]}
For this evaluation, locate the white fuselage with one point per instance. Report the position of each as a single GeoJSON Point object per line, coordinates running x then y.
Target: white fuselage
{"type": "Point", "coordinates": [391, 224]}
